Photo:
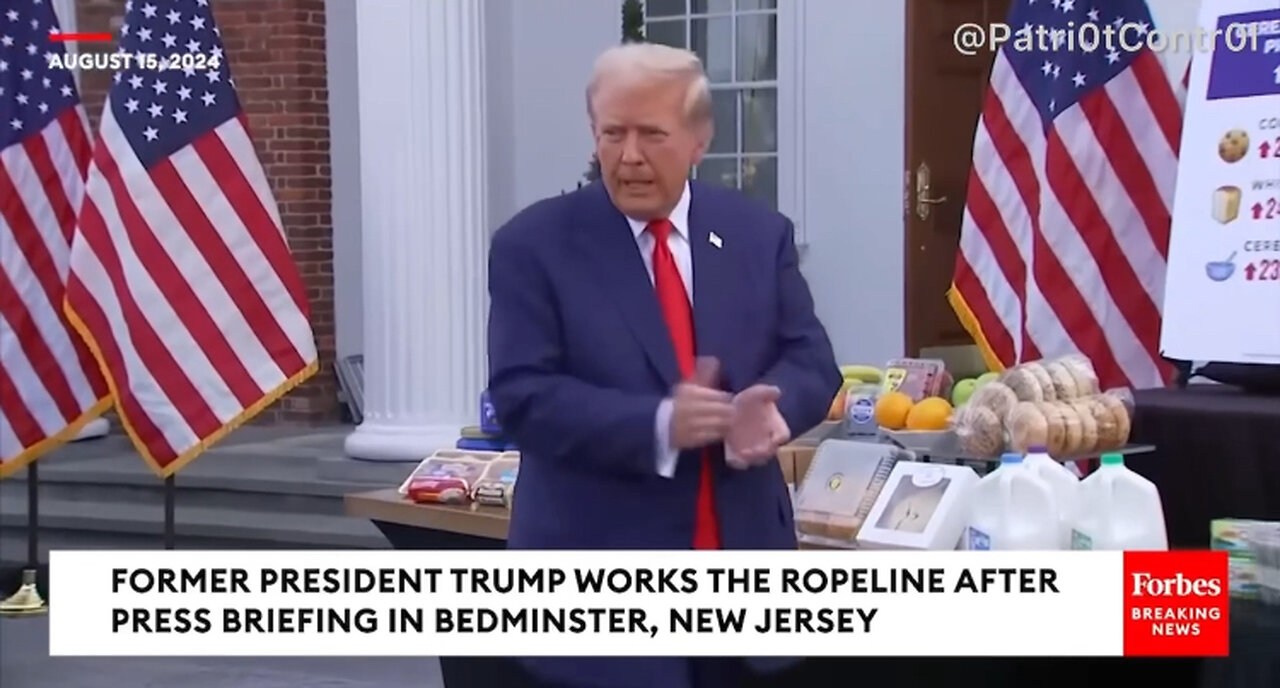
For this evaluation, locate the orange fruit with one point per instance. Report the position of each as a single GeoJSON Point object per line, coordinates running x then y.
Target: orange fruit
{"type": "Point", "coordinates": [892, 410]}
{"type": "Point", "coordinates": [932, 413]}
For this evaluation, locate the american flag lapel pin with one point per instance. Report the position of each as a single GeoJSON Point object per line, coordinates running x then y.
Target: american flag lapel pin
{"type": "Point", "coordinates": [715, 240]}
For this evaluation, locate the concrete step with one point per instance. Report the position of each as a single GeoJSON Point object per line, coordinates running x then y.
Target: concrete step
{"type": "Point", "coordinates": [193, 524]}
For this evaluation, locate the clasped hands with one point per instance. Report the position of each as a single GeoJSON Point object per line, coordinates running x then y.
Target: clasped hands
{"type": "Point", "coordinates": [749, 422]}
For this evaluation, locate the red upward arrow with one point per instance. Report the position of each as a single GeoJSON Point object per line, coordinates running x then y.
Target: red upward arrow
{"type": "Point", "coordinates": [1248, 271]}
{"type": "Point", "coordinates": [1265, 148]}
{"type": "Point", "coordinates": [1257, 211]}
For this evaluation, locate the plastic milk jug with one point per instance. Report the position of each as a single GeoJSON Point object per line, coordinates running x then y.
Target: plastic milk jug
{"type": "Point", "coordinates": [1012, 508]}
{"type": "Point", "coordinates": [1065, 486]}
{"type": "Point", "coordinates": [1118, 510]}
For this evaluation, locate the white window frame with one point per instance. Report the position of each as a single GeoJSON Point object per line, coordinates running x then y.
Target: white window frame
{"type": "Point", "coordinates": [788, 84]}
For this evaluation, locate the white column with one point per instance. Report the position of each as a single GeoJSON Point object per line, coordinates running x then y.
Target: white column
{"type": "Point", "coordinates": [424, 230]}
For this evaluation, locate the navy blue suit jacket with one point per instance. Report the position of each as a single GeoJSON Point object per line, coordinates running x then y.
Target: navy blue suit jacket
{"type": "Point", "coordinates": [580, 357]}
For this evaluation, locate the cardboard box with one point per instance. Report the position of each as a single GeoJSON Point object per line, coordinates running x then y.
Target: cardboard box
{"type": "Point", "coordinates": [795, 456]}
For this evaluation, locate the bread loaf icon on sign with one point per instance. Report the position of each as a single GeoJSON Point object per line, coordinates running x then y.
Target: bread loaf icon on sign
{"type": "Point", "coordinates": [1226, 204]}
{"type": "Point", "coordinates": [1233, 145]}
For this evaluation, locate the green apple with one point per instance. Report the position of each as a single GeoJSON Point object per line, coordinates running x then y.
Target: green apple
{"type": "Point", "coordinates": [962, 390]}
{"type": "Point", "coordinates": [987, 377]}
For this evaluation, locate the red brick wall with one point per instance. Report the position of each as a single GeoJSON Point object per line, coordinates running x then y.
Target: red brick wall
{"type": "Point", "coordinates": [276, 53]}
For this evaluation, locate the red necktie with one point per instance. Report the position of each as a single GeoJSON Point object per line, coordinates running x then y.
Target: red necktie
{"type": "Point", "coordinates": [676, 310]}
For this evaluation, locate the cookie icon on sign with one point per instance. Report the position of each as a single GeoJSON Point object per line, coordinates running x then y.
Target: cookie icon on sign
{"type": "Point", "coordinates": [1233, 145]}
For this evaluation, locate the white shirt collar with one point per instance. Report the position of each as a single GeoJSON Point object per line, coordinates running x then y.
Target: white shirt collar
{"type": "Point", "coordinates": [679, 217]}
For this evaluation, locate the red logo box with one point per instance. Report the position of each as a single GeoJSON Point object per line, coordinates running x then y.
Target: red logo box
{"type": "Point", "coordinates": [1176, 604]}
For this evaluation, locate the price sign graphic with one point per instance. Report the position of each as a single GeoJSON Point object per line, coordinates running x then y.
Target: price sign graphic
{"type": "Point", "coordinates": [1266, 209]}
{"type": "Point", "coordinates": [1265, 270]}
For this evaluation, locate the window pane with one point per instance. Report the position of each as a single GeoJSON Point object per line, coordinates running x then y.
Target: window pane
{"type": "Point", "coordinates": [757, 4]}
{"type": "Point", "coordinates": [722, 171]}
{"type": "Point", "coordinates": [724, 107]}
{"type": "Point", "coordinates": [712, 6]}
{"type": "Point", "coordinates": [712, 40]}
{"type": "Point", "coordinates": [760, 121]}
{"type": "Point", "coordinates": [665, 32]}
{"type": "Point", "coordinates": [757, 47]}
{"type": "Point", "coordinates": [664, 8]}
{"type": "Point", "coordinates": [760, 179]}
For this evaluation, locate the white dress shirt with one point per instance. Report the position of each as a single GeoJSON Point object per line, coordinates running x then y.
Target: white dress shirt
{"type": "Point", "coordinates": [678, 241]}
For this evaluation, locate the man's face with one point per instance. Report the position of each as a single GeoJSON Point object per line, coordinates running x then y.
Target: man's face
{"type": "Point", "coordinates": [645, 144]}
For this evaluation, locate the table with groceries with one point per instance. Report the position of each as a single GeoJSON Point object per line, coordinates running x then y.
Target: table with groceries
{"type": "Point", "coordinates": [916, 457]}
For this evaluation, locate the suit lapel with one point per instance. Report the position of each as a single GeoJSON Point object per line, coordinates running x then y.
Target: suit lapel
{"type": "Point", "coordinates": [620, 273]}
{"type": "Point", "coordinates": [713, 279]}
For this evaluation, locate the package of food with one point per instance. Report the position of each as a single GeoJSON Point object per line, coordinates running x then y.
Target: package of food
{"type": "Point", "coordinates": [996, 396]}
{"type": "Point", "coordinates": [1083, 410]}
{"type": "Point", "coordinates": [1120, 403]}
{"type": "Point", "coordinates": [1072, 429]}
{"type": "Point", "coordinates": [1080, 368]}
{"type": "Point", "coordinates": [1044, 381]}
{"type": "Point", "coordinates": [918, 378]}
{"type": "Point", "coordinates": [840, 488]}
{"type": "Point", "coordinates": [1038, 424]}
{"type": "Point", "coordinates": [446, 477]}
{"type": "Point", "coordinates": [1025, 385]}
{"type": "Point", "coordinates": [498, 482]}
{"type": "Point", "coordinates": [979, 429]}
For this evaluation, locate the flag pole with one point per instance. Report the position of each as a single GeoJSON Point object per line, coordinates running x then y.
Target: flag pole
{"type": "Point", "coordinates": [169, 495]}
{"type": "Point", "coordinates": [26, 601]}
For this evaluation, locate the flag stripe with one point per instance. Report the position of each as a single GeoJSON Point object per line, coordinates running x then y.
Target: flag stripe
{"type": "Point", "coordinates": [129, 378]}
{"type": "Point", "coordinates": [1153, 81]}
{"type": "Point", "coordinates": [246, 201]}
{"type": "Point", "coordinates": [20, 423]}
{"type": "Point", "coordinates": [105, 235]}
{"type": "Point", "coordinates": [264, 301]}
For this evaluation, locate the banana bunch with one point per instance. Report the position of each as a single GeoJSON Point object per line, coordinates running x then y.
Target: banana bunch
{"type": "Point", "coordinates": [861, 373]}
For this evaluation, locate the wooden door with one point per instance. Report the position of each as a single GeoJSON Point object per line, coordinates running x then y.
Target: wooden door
{"type": "Point", "coordinates": [944, 98]}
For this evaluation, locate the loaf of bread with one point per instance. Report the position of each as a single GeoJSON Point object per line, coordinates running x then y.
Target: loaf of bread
{"type": "Point", "coordinates": [980, 430]}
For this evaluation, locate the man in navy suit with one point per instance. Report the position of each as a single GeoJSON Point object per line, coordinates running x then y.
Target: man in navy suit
{"type": "Point", "coordinates": [652, 343]}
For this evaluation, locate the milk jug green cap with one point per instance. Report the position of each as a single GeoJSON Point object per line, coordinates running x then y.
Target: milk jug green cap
{"type": "Point", "coordinates": [1113, 459]}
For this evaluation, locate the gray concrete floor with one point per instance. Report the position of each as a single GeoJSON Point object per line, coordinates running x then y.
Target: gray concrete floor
{"type": "Point", "coordinates": [25, 663]}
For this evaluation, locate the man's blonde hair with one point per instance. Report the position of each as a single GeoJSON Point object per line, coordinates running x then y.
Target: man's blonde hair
{"type": "Point", "coordinates": [655, 60]}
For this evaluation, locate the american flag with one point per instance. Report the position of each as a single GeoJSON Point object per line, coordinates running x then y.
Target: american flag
{"type": "Point", "coordinates": [1066, 225]}
{"type": "Point", "coordinates": [181, 277]}
{"type": "Point", "coordinates": [50, 385]}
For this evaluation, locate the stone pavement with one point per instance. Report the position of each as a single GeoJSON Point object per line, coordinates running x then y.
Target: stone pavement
{"type": "Point", "coordinates": [25, 663]}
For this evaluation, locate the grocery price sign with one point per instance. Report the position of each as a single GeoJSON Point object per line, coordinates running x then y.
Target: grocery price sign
{"type": "Point", "coordinates": [1222, 287]}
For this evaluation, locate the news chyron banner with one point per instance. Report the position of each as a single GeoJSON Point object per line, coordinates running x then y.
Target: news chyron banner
{"type": "Point", "coordinates": [638, 603]}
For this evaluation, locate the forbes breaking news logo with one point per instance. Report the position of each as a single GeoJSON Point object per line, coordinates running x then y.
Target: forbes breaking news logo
{"type": "Point", "coordinates": [1176, 604]}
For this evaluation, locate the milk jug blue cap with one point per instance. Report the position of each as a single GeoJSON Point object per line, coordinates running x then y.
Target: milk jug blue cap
{"type": "Point", "coordinates": [1112, 459]}
{"type": "Point", "coordinates": [1011, 457]}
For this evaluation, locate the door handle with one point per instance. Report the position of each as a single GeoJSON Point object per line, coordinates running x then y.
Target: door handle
{"type": "Point", "coordinates": [924, 198]}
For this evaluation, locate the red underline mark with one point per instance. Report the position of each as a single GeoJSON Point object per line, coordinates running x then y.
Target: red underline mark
{"type": "Point", "coordinates": [84, 37]}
